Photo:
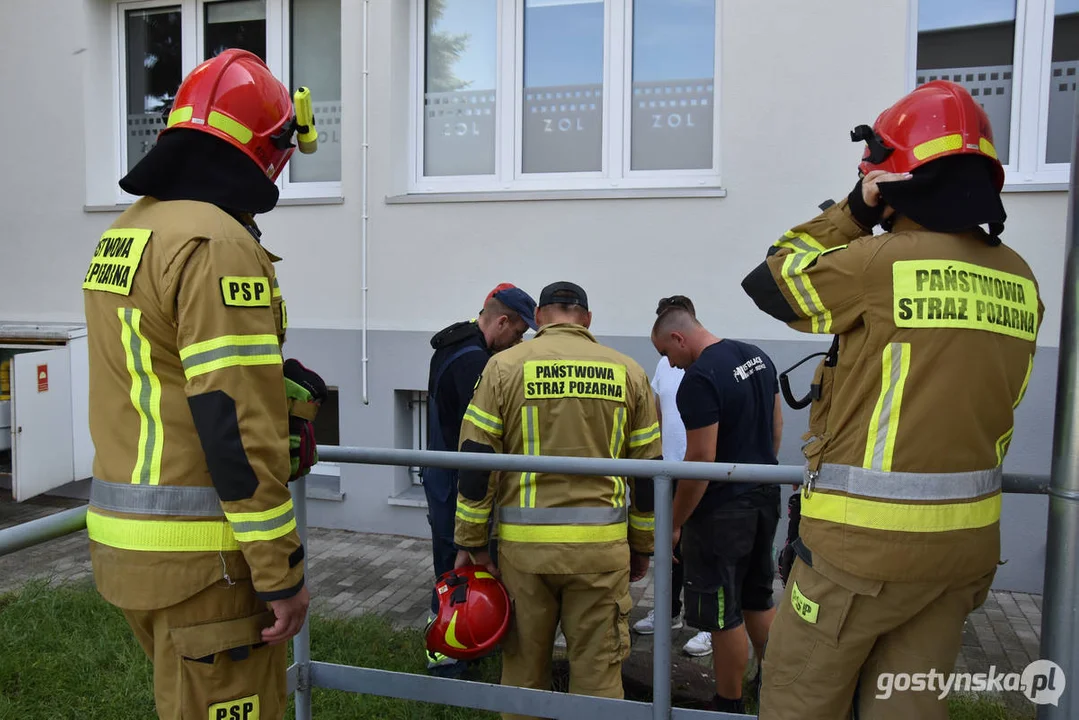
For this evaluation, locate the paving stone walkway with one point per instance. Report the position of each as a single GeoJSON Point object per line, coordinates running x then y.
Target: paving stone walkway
{"type": "Point", "coordinates": [353, 573]}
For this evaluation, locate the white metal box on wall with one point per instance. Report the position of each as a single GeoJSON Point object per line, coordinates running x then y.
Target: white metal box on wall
{"type": "Point", "coordinates": [44, 411]}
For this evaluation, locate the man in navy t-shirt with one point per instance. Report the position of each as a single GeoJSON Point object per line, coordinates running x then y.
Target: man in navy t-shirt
{"type": "Point", "coordinates": [729, 403]}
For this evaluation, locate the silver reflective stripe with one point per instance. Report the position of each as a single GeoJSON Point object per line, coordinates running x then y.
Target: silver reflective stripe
{"type": "Point", "coordinates": [907, 485]}
{"type": "Point", "coordinates": [155, 499]}
{"type": "Point", "coordinates": [562, 516]}
{"type": "Point", "coordinates": [239, 528]}
{"type": "Point", "coordinates": [228, 351]}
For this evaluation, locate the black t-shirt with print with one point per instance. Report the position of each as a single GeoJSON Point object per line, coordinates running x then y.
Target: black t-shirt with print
{"type": "Point", "coordinates": [733, 384]}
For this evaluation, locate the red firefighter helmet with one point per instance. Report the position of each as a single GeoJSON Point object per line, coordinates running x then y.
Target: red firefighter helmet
{"type": "Point", "coordinates": [473, 613]}
{"type": "Point", "coordinates": [235, 97]}
{"type": "Point", "coordinates": [937, 119]}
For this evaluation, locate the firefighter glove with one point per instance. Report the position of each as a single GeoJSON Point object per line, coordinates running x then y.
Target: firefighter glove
{"type": "Point", "coordinates": [305, 392]}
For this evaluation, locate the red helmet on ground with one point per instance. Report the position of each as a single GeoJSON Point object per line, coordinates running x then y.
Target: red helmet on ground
{"type": "Point", "coordinates": [473, 613]}
{"type": "Point", "coordinates": [936, 120]}
{"type": "Point", "coordinates": [236, 98]}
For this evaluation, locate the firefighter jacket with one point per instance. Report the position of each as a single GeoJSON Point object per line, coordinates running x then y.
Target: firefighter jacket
{"type": "Point", "coordinates": [911, 425]}
{"type": "Point", "coordinates": [561, 393]}
{"type": "Point", "coordinates": [188, 412]}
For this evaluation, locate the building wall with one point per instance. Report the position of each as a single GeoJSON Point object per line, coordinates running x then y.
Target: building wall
{"type": "Point", "coordinates": [788, 94]}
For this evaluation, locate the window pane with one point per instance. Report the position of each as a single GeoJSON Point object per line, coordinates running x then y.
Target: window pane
{"type": "Point", "coordinates": [459, 93]}
{"type": "Point", "coordinates": [1063, 74]}
{"type": "Point", "coordinates": [563, 86]}
{"type": "Point", "coordinates": [235, 24]}
{"type": "Point", "coordinates": [316, 64]}
{"type": "Point", "coordinates": [674, 54]}
{"type": "Point", "coordinates": [972, 43]}
{"type": "Point", "coordinates": [154, 72]}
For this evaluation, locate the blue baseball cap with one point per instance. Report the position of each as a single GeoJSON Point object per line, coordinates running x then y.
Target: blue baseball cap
{"type": "Point", "coordinates": [516, 300]}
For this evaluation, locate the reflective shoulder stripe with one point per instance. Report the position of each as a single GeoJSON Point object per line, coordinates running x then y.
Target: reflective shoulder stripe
{"type": "Point", "coordinates": [643, 436]}
{"type": "Point", "coordinates": [161, 535]}
{"type": "Point", "coordinates": [562, 515]}
{"type": "Point", "coordinates": [155, 499]}
{"type": "Point", "coordinates": [644, 523]}
{"type": "Point", "coordinates": [264, 525]}
{"type": "Point", "coordinates": [229, 351]}
{"type": "Point", "coordinates": [145, 396]}
{"type": "Point", "coordinates": [561, 534]}
{"type": "Point", "coordinates": [868, 483]}
{"type": "Point", "coordinates": [483, 420]}
{"type": "Point", "coordinates": [1026, 381]}
{"type": "Point", "coordinates": [804, 250]}
{"type": "Point", "coordinates": [901, 517]}
{"type": "Point", "coordinates": [530, 445]}
{"type": "Point", "coordinates": [884, 423]}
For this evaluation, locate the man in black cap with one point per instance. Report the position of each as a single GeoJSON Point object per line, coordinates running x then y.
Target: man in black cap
{"type": "Point", "coordinates": [461, 351]}
{"type": "Point", "coordinates": [568, 545]}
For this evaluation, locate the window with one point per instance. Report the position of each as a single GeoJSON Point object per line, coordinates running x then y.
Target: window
{"type": "Point", "coordinates": [417, 407]}
{"type": "Point", "coordinates": [299, 40]}
{"type": "Point", "coordinates": [1019, 59]}
{"type": "Point", "coordinates": [328, 430]}
{"type": "Point", "coordinates": [564, 94]}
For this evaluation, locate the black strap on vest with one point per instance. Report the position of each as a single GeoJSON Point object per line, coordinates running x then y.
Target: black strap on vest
{"type": "Point", "coordinates": [830, 359]}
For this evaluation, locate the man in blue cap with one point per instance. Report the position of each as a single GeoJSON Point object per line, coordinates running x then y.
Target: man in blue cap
{"type": "Point", "coordinates": [461, 352]}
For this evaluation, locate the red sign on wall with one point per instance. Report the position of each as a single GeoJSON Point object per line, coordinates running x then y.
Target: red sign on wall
{"type": "Point", "coordinates": [42, 378]}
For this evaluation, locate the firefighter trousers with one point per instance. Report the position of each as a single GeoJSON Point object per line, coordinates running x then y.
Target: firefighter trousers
{"type": "Point", "coordinates": [838, 641]}
{"type": "Point", "coordinates": [208, 656]}
{"type": "Point", "coordinates": [594, 613]}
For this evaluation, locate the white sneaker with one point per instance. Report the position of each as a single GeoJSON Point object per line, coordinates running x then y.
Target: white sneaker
{"type": "Point", "coordinates": [699, 645]}
{"type": "Point", "coordinates": [647, 624]}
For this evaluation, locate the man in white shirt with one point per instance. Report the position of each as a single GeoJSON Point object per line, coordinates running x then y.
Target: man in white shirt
{"type": "Point", "coordinates": [665, 384]}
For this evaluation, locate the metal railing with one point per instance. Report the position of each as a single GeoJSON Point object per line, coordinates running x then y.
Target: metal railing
{"type": "Point", "coordinates": [306, 674]}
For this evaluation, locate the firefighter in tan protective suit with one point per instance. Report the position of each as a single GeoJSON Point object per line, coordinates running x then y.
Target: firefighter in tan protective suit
{"type": "Point", "coordinates": [566, 543]}
{"type": "Point", "coordinates": [197, 422]}
{"type": "Point", "coordinates": [935, 323]}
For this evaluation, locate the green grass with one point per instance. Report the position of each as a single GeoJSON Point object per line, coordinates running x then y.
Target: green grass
{"type": "Point", "coordinates": [66, 653]}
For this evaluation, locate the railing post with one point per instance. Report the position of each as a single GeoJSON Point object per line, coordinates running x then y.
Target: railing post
{"type": "Point", "coordinates": [661, 578]}
{"type": "Point", "coordinates": [301, 644]}
{"type": "Point", "coordinates": [1060, 616]}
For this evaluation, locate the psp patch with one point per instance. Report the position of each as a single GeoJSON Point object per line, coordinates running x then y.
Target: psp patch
{"type": "Point", "coordinates": [116, 258]}
{"type": "Point", "coordinates": [243, 709]}
{"type": "Point", "coordinates": [238, 291]}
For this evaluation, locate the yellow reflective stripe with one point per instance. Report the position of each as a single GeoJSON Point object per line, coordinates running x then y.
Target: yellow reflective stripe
{"type": "Point", "coordinates": [804, 250]}
{"type": "Point", "coordinates": [1026, 381]}
{"type": "Point", "coordinates": [261, 516]}
{"type": "Point", "coordinates": [483, 420]}
{"type": "Point", "coordinates": [936, 146]}
{"type": "Point", "coordinates": [271, 533]}
{"type": "Point", "coordinates": [645, 523]}
{"type": "Point", "coordinates": [179, 115]}
{"type": "Point", "coordinates": [899, 517]}
{"type": "Point", "coordinates": [229, 351]}
{"type": "Point", "coordinates": [230, 127]}
{"type": "Point", "coordinates": [645, 435]}
{"type": "Point", "coordinates": [987, 147]}
{"type": "Point", "coordinates": [276, 288]}
{"type": "Point", "coordinates": [789, 238]}
{"type": "Point", "coordinates": [1003, 442]}
{"type": "Point", "coordinates": [161, 535]}
{"type": "Point", "coordinates": [451, 633]}
{"type": "Point", "coordinates": [472, 515]}
{"type": "Point", "coordinates": [618, 439]}
{"type": "Point", "coordinates": [884, 423]}
{"type": "Point", "coordinates": [562, 533]}
{"type": "Point", "coordinates": [145, 396]}
{"type": "Point", "coordinates": [530, 445]}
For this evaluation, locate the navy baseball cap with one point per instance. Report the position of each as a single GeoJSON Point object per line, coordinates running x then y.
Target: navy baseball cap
{"type": "Point", "coordinates": [563, 293]}
{"type": "Point", "coordinates": [516, 300]}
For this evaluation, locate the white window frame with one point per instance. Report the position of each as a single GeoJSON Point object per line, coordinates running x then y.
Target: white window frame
{"type": "Point", "coordinates": [193, 14]}
{"type": "Point", "coordinates": [615, 173]}
{"type": "Point", "coordinates": [1031, 75]}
